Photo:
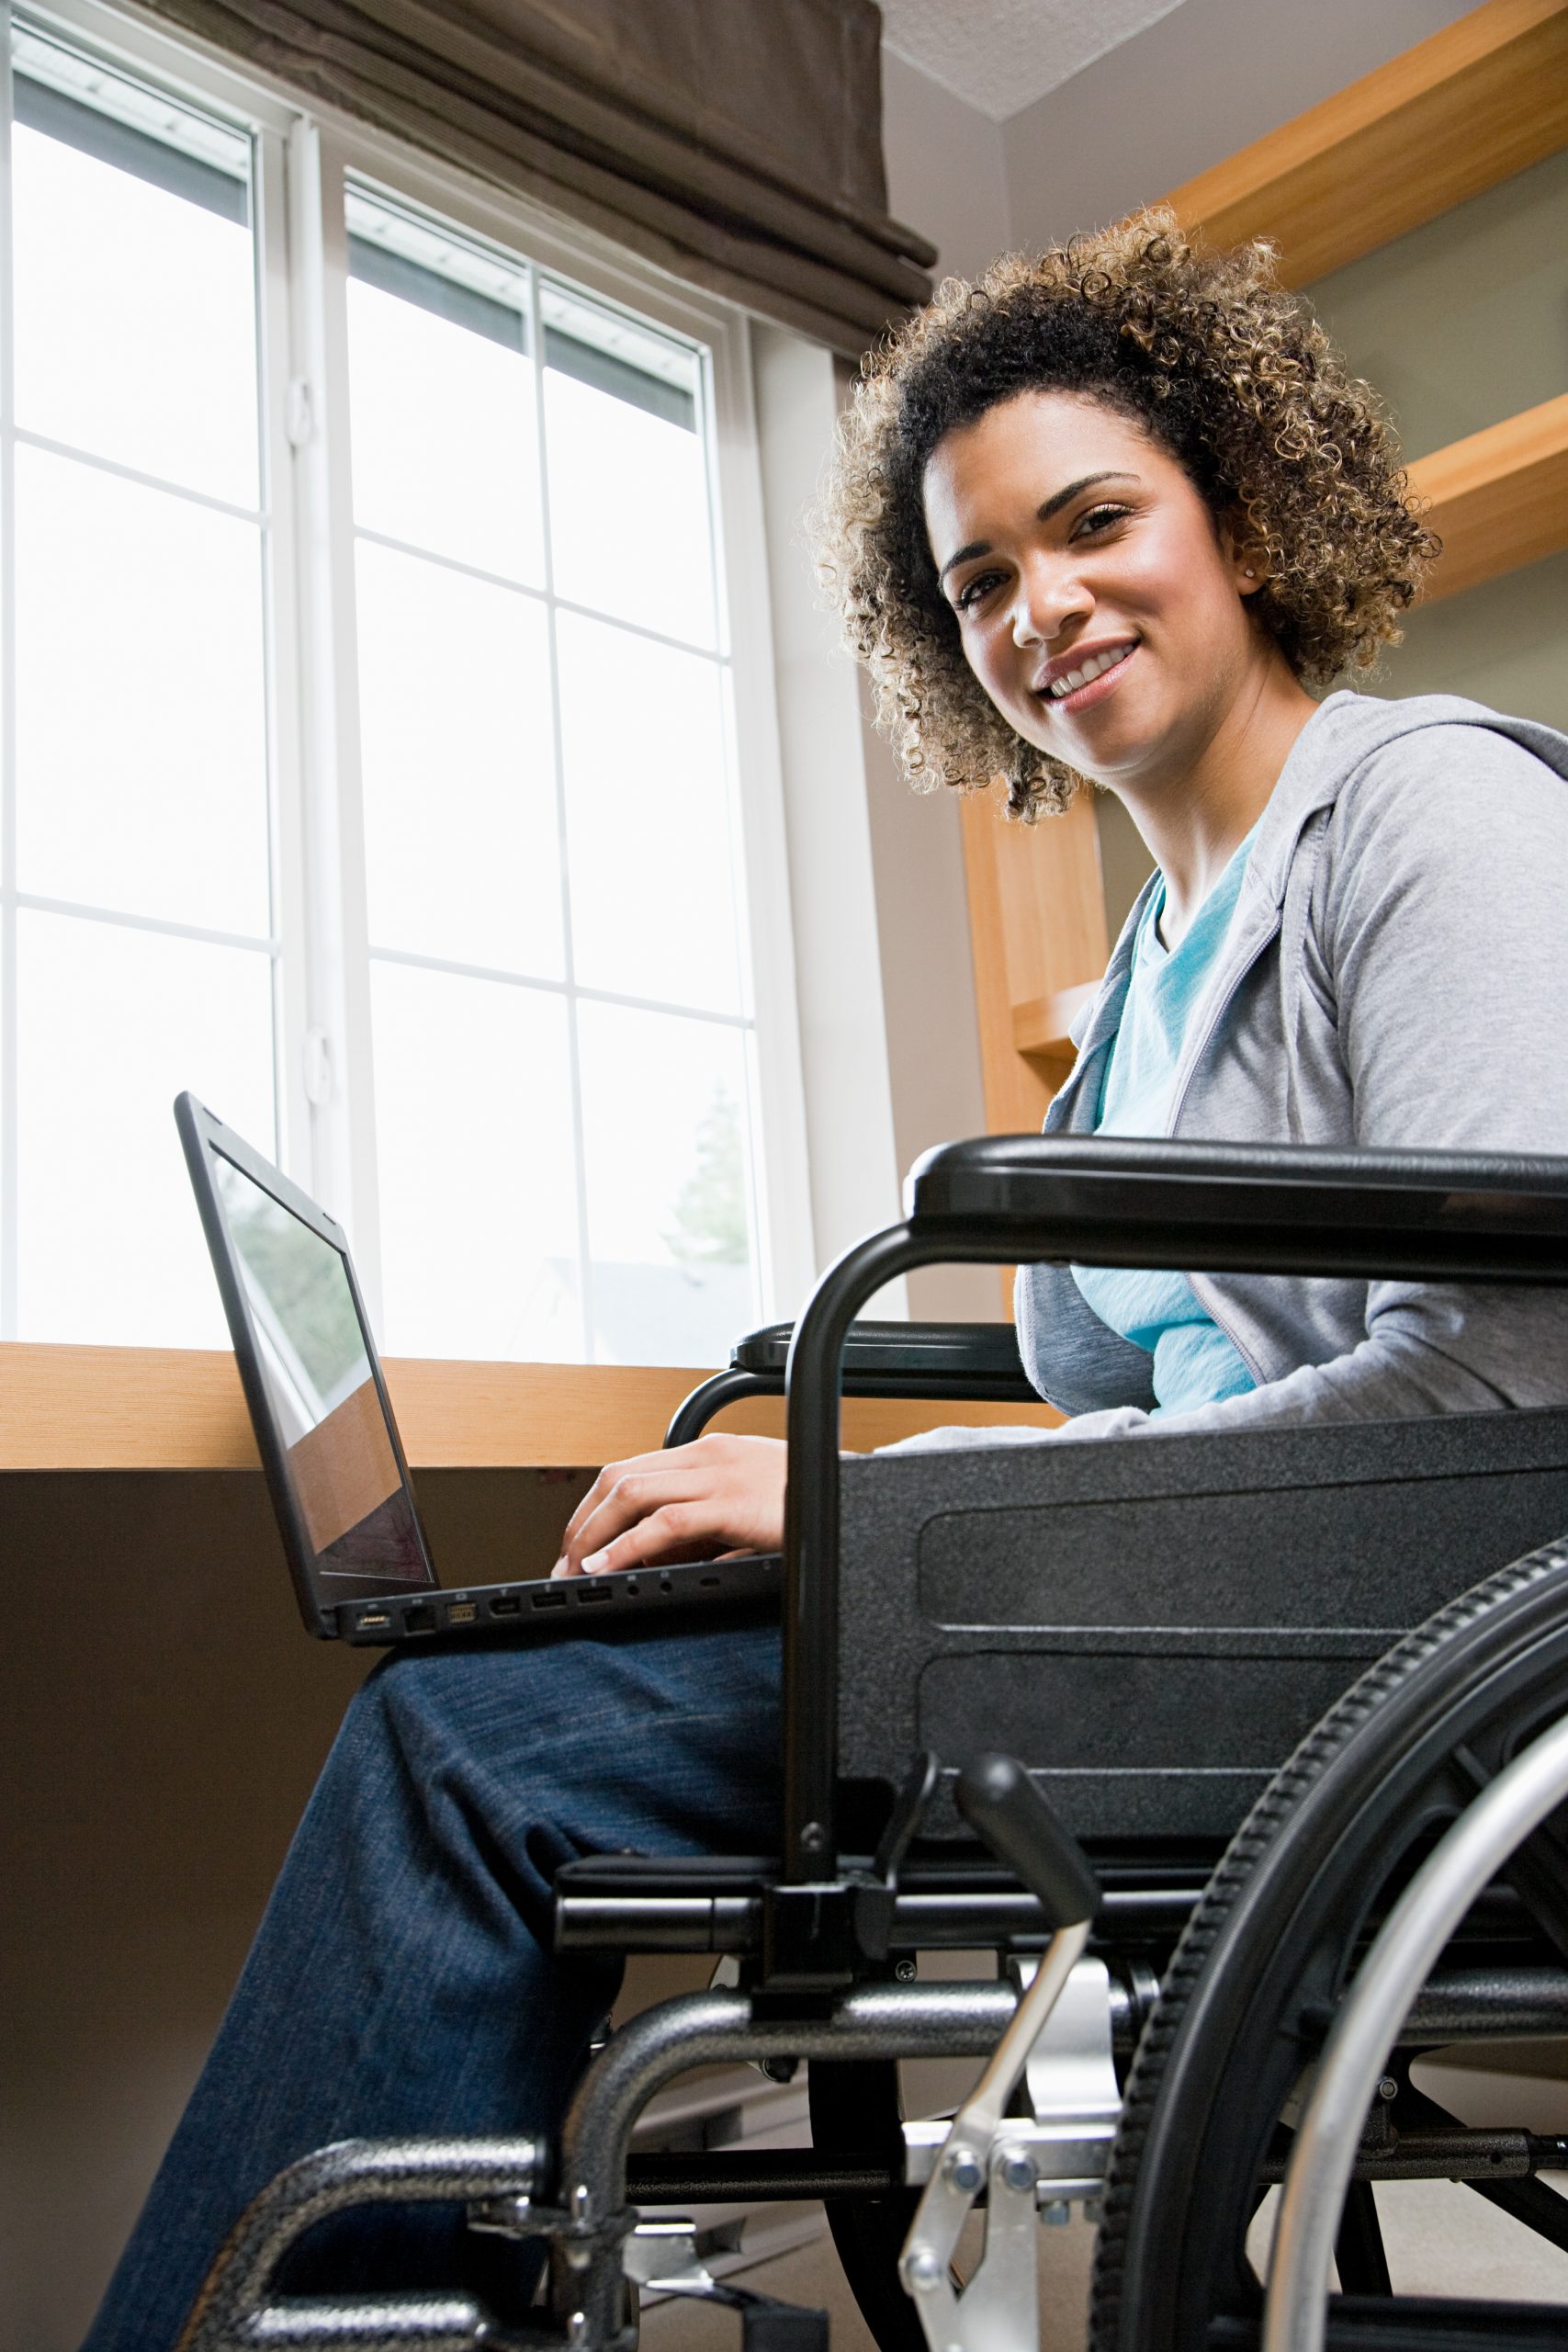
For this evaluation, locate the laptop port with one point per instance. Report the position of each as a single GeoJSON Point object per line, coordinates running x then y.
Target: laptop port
{"type": "Point", "coordinates": [547, 1599]}
{"type": "Point", "coordinates": [372, 1621]}
{"type": "Point", "coordinates": [506, 1604]}
{"type": "Point", "coordinates": [419, 1621]}
{"type": "Point", "coordinates": [462, 1612]}
{"type": "Point", "coordinates": [588, 1590]}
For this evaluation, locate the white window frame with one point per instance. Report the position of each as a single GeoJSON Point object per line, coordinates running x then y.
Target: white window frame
{"type": "Point", "coordinates": [324, 1086]}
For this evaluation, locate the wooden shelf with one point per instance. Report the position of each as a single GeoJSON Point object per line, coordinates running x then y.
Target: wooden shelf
{"type": "Point", "coordinates": [1499, 499]}
{"type": "Point", "coordinates": [1040, 1026]}
{"type": "Point", "coordinates": [1477, 102]}
{"type": "Point", "coordinates": [167, 1408]}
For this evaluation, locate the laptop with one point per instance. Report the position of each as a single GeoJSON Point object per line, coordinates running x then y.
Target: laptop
{"type": "Point", "coordinates": [329, 1444]}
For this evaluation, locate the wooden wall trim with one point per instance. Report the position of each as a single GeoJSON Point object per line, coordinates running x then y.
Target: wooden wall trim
{"type": "Point", "coordinates": [1498, 500]}
{"type": "Point", "coordinates": [168, 1409]}
{"type": "Point", "coordinates": [1037, 922]}
{"type": "Point", "coordinates": [1477, 102]}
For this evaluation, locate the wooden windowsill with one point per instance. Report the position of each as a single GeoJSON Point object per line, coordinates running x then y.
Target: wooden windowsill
{"type": "Point", "coordinates": [168, 1408]}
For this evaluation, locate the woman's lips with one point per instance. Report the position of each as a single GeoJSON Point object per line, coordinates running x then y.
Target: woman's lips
{"type": "Point", "coordinates": [1094, 690]}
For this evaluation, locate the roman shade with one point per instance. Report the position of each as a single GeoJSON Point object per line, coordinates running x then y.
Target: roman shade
{"type": "Point", "coordinates": [736, 142]}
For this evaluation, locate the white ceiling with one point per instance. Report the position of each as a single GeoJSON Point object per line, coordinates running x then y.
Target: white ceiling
{"type": "Point", "coordinates": [1003, 54]}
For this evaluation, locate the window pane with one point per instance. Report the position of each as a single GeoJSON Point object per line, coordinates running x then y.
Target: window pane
{"type": "Point", "coordinates": [135, 293]}
{"type": "Point", "coordinates": [442, 412]}
{"type": "Point", "coordinates": [670, 1224]}
{"type": "Point", "coordinates": [648, 811]}
{"type": "Point", "coordinates": [473, 1126]}
{"type": "Point", "coordinates": [462, 852]}
{"type": "Point", "coordinates": [630, 531]}
{"type": "Point", "coordinates": [141, 711]}
{"type": "Point", "coordinates": [114, 1022]}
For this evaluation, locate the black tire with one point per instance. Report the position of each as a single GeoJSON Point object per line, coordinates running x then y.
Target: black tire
{"type": "Point", "coordinates": [1253, 1983]}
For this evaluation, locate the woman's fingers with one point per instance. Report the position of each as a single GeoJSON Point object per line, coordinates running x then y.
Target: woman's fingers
{"type": "Point", "coordinates": [604, 1485]}
{"type": "Point", "coordinates": [721, 1494]}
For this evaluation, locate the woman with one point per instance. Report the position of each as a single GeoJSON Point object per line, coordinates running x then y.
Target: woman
{"type": "Point", "coordinates": [1108, 515]}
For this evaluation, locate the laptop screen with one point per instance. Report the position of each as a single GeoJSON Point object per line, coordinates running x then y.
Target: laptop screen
{"type": "Point", "coordinates": [326, 1408]}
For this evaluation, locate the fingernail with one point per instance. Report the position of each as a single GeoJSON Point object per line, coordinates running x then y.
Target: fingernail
{"type": "Point", "coordinates": [594, 1564]}
{"type": "Point", "coordinates": [560, 1569]}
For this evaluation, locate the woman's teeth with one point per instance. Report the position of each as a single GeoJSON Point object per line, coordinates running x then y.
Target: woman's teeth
{"type": "Point", "coordinates": [1095, 667]}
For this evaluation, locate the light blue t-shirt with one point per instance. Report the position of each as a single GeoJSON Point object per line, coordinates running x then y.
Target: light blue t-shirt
{"type": "Point", "coordinates": [1194, 1363]}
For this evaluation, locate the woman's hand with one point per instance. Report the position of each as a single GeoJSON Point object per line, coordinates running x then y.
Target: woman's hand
{"type": "Point", "coordinates": [704, 1501]}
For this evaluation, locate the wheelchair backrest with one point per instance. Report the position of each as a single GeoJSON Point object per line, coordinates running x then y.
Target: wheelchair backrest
{"type": "Point", "coordinates": [1151, 1624]}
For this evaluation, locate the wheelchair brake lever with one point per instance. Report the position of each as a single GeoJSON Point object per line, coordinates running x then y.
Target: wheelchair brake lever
{"type": "Point", "coordinates": [999, 2310]}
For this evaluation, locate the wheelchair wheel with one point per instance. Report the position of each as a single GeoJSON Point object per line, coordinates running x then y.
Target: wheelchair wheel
{"type": "Point", "coordinates": [1253, 1984]}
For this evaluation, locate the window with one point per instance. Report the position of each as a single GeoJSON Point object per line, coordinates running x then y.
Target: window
{"type": "Point", "coordinates": [381, 763]}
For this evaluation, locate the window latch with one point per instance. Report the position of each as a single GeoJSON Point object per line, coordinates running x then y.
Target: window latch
{"type": "Point", "coordinates": [318, 1067]}
{"type": "Point", "coordinates": [299, 420]}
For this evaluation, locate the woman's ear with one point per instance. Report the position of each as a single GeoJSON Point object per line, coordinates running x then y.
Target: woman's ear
{"type": "Point", "coordinates": [1248, 562]}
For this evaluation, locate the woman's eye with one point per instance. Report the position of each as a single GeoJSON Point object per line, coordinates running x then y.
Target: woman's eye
{"type": "Point", "coordinates": [1099, 518]}
{"type": "Point", "coordinates": [973, 590]}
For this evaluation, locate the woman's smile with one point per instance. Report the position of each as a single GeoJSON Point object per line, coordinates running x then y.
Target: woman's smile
{"type": "Point", "coordinates": [1072, 677]}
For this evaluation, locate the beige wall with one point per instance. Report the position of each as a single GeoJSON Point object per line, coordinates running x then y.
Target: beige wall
{"type": "Point", "coordinates": [1208, 78]}
{"type": "Point", "coordinates": [1465, 321]}
{"type": "Point", "coordinates": [945, 172]}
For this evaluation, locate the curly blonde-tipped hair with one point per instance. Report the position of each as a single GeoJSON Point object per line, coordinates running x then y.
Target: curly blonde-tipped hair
{"type": "Point", "coordinates": [1224, 370]}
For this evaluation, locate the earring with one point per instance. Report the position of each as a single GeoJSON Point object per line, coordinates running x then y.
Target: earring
{"type": "Point", "coordinates": [1247, 573]}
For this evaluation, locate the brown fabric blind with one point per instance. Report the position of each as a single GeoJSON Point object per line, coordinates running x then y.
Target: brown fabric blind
{"type": "Point", "coordinates": [738, 143]}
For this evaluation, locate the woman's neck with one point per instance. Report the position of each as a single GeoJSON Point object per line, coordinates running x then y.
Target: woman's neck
{"type": "Point", "coordinates": [1194, 820]}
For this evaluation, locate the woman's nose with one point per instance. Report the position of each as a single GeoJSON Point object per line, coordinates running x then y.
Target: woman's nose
{"type": "Point", "coordinates": [1048, 597]}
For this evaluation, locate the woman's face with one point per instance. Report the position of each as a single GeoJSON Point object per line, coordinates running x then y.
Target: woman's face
{"type": "Point", "coordinates": [1099, 605]}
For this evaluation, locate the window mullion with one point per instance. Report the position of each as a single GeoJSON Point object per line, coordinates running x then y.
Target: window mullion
{"type": "Point", "coordinates": [342, 1122]}
{"type": "Point", "coordinates": [573, 1054]}
{"type": "Point", "coordinates": [788, 1241]}
{"type": "Point", "coordinates": [281, 612]}
{"type": "Point", "coordinates": [8, 1054]}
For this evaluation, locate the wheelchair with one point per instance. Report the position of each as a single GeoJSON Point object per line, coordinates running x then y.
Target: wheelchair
{"type": "Point", "coordinates": [1246, 1756]}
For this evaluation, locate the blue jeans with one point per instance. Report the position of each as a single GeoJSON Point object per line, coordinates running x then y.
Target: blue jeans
{"type": "Point", "coordinates": [403, 1980]}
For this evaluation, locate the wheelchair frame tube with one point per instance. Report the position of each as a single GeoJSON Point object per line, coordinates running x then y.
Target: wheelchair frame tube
{"type": "Point", "coordinates": [1416, 1216]}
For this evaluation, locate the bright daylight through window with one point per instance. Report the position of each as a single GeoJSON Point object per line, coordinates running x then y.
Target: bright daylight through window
{"type": "Point", "coordinates": [557, 1078]}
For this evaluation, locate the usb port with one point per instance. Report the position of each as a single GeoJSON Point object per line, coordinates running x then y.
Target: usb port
{"type": "Point", "coordinates": [546, 1599]}
{"type": "Point", "coordinates": [588, 1590]}
{"type": "Point", "coordinates": [462, 1612]}
{"type": "Point", "coordinates": [419, 1621]}
{"type": "Point", "coordinates": [506, 1604]}
{"type": "Point", "coordinates": [372, 1621]}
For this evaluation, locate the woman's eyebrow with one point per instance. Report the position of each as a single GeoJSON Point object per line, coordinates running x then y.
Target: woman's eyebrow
{"type": "Point", "coordinates": [1052, 506]}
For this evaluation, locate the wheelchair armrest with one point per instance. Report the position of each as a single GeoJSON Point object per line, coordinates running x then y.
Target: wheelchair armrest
{"type": "Point", "coordinates": [1244, 1208]}
{"type": "Point", "coordinates": [907, 1359]}
{"type": "Point", "coordinates": [979, 1361]}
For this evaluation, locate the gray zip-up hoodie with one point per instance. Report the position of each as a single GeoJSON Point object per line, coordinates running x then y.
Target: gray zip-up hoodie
{"type": "Point", "coordinates": [1395, 977]}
